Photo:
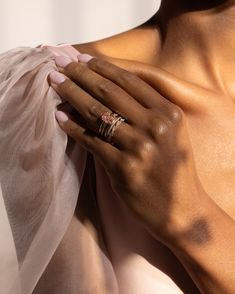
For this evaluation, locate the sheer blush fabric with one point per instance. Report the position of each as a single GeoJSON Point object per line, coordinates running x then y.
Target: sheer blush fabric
{"type": "Point", "coordinates": [48, 244]}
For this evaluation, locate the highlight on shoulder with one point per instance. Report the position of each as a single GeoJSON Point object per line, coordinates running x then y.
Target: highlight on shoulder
{"type": "Point", "coordinates": [139, 44]}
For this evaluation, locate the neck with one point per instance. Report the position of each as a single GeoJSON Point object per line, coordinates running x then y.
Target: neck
{"type": "Point", "coordinates": [191, 5]}
{"type": "Point", "coordinates": [198, 38]}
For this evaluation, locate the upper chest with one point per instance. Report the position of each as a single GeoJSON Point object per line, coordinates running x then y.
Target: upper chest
{"type": "Point", "coordinates": [212, 135]}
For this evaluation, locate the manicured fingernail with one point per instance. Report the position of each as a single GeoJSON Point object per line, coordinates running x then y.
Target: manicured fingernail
{"type": "Point", "coordinates": [62, 61]}
{"type": "Point", "coordinates": [56, 77]}
{"type": "Point", "coordinates": [84, 57]}
{"type": "Point", "coordinates": [61, 116]}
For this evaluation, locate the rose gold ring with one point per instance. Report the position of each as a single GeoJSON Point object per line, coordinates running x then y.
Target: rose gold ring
{"type": "Point", "coordinates": [109, 123]}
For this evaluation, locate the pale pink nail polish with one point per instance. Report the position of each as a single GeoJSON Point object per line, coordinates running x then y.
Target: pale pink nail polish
{"type": "Point", "coordinates": [84, 57]}
{"type": "Point", "coordinates": [61, 116]}
{"type": "Point", "coordinates": [56, 77]}
{"type": "Point", "coordinates": [62, 61]}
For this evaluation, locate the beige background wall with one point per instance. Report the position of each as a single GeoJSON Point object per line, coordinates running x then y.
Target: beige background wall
{"type": "Point", "coordinates": [33, 22]}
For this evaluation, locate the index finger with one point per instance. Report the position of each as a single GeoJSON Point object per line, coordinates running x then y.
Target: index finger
{"type": "Point", "coordinates": [174, 89]}
{"type": "Point", "coordinates": [145, 94]}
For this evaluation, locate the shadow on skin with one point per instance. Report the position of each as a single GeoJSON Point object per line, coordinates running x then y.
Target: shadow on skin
{"type": "Point", "coordinates": [87, 211]}
{"type": "Point", "coordinates": [197, 232]}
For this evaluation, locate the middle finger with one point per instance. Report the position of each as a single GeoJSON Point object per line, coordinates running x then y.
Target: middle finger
{"type": "Point", "coordinates": [91, 111]}
{"type": "Point", "coordinates": [107, 92]}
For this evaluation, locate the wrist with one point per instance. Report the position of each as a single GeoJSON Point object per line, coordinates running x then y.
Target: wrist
{"type": "Point", "coordinates": [192, 225]}
{"type": "Point", "coordinates": [205, 246]}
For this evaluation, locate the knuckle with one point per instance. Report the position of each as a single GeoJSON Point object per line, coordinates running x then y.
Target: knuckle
{"type": "Point", "coordinates": [158, 127]}
{"type": "Point", "coordinates": [95, 111]}
{"type": "Point", "coordinates": [73, 130]}
{"type": "Point", "coordinates": [130, 173]}
{"type": "Point", "coordinates": [127, 167]}
{"type": "Point", "coordinates": [88, 143]}
{"type": "Point", "coordinates": [130, 165]}
{"type": "Point", "coordinates": [96, 64]}
{"type": "Point", "coordinates": [67, 87]}
{"type": "Point", "coordinates": [145, 149]}
{"type": "Point", "coordinates": [106, 87]}
{"type": "Point", "coordinates": [176, 114]}
{"type": "Point", "coordinates": [76, 70]}
{"type": "Point", "coordinates": [133, 175]}
{"type": "Point", "coordinates": [127, 77]}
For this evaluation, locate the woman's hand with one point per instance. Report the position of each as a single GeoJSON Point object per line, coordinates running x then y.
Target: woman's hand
{"type": "Point", "coordinates": [150, 161]}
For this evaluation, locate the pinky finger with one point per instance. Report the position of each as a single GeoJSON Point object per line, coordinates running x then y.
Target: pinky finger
{"type": "Point", "coordinates": [105, 152]}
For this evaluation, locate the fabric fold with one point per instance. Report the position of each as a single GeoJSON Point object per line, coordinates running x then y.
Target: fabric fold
{"type": "Point", "coordinates": [51, 242]}
{"type": "Point", "coordinates": [39, 181]}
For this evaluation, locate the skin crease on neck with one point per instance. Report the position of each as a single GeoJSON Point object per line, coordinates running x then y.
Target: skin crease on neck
{"type": "Point", "coordinates": [198, 37]}
{"type": "Point", "coordinates": [195, 40]}
{"type": "Point", "coordinates": [196, 43]}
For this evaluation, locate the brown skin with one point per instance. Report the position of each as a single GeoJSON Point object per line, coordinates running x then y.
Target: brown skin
{"type": "Point", "coordinates": [187, 128]}
{"type": "Point", "coordinates": [153, 140]}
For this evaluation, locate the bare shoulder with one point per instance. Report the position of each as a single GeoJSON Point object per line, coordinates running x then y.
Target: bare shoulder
{"type": "Point", "coordinates": [139, 44]}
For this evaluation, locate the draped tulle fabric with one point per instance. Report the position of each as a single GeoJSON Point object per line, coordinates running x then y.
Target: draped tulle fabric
{"type": "Point", "coordinates": [41, 174]}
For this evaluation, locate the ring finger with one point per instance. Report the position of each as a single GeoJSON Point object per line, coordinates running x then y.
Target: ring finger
{"type": "Point", "coordinates": [91, 110]}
